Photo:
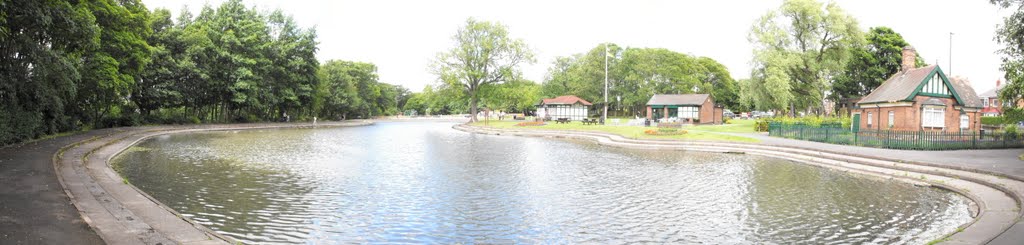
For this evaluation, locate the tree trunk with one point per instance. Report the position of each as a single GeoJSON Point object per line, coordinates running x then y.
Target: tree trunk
{"type": "Point", "coordinates": [472, 107]}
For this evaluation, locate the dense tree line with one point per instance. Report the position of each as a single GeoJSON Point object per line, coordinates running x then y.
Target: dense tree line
{"type": "Point", "coordinates": [808, 53]}
{"type": "Point", "coordinates": [636, 74]}
{"type": "Point", "coordinates": [70, 65]}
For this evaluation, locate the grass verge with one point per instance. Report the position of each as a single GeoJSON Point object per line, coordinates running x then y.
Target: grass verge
{"type": "Point", "coordinates": [702, 132]}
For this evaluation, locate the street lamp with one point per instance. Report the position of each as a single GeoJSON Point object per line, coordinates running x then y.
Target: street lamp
{"type": "Point", "coordinates": [619, 99]}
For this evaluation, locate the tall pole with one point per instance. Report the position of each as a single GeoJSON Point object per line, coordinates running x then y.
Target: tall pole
{"type": "Point", "coordinates": [950, 72]}
{"type": "Point", "coordinates": [604, 117]}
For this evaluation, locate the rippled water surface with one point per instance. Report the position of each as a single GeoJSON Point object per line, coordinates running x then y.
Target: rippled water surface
{"type": "Point", "coordinates": [428, 183]}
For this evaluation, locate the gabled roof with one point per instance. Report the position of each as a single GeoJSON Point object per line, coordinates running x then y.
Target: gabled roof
{"type": "Point", "coordinates": [899, 86]}
{"type": "Point", "coordinates": [991, 93]}
{"type": "Point", "coordinates": [564, 100]}
{"type": "Point", "coordinates": [903, 86]}
{"type": "Point", "coordinates": [678, 99]}
{"type": "Point", "coordinates": [966, 92]}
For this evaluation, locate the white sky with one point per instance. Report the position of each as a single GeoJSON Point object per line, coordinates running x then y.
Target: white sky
{"type": "Point", "coordinates": [403, 37]}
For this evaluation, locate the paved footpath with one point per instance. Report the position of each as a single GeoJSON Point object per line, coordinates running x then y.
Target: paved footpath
{"type": "Point", "coordinates": [33, 206]}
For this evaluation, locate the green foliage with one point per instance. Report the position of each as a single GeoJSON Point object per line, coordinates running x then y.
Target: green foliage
{"type": "Point", "coordinates": [992, 120]}
{"type": "Point", "coordinates": [871, 64]}
{"type": "Point", "coordinates": [798, 48]}
{"type": "Point", "coordinates": [484, 55]}
{"type": "Point", "coordinates": [1011, 35]}
{"type": "Point", "coordinates": [1013, 115]}
{"type": "Point", "coordinates": [102, 63]}
{"type": "Point", "coordinates": [636, 74]}
{"type": "Point", "coordinates": [761, 125]}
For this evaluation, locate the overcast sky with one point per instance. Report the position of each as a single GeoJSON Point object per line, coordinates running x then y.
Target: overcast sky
{"type": "Point", "coordinates": [403, 37]}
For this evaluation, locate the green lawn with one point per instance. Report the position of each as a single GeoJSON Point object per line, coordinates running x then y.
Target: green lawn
{"type": "Point", "coordinates": [734, 126]}
{"type": "Point", "coordinates": [635, 132]}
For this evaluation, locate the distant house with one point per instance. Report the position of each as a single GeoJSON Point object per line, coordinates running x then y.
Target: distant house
{"type": "Point", "coordinates": [920, 99]}
{"type": "Point", "coordinates": [565, 106]}
{"type": "Point", "coordinates": [990, 101]}
{"type": "Point", "coordinates": [698, 108]}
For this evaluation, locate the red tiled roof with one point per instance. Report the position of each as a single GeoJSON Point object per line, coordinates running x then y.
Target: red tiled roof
{"type": "Point", "coordinates": [991, 110]}
{"type": "Point", "coordinates": [564, 100]}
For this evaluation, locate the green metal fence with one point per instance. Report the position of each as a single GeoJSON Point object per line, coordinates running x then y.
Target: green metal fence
{"type": "Point", "coordinates": [898, 139]}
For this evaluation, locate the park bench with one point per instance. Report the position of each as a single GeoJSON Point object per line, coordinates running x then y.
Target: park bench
{"type": "Point", "coordinates": [589, 121]}
{"type": "Point", "coordinates": [562, 120]}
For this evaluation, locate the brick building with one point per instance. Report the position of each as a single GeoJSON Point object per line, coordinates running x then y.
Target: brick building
{"type": "Point", "coordinates": [990, 101]}
{"type": "Point", "coordinates": [698, 108]}
{"type": "Point", "coordinates": [920, 99]}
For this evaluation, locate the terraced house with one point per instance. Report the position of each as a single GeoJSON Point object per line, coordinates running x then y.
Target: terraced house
{"type": "Point", "coordinates": [919, 99]}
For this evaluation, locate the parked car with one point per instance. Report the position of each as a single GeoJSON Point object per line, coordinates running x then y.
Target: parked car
{"type": "Point", "coordinates": [758, 114]}
{"type": "Point", "coordinates": [728, 114]}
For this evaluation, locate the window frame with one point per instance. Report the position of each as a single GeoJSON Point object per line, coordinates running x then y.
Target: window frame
{"type": "Point", "coordinates": [965, 121]}
{"type": "Point", "coordinates": [892, 119]}
{"type": "Point", "coordinates": [933, 117]}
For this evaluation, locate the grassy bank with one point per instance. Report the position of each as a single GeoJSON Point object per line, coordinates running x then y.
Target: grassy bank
{"type": "Point", "coordinates": [702, 132]}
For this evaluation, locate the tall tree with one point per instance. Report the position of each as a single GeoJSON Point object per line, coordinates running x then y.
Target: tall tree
{"type": "Point", "coordinates": [114, 67]}
{"type": "Point", "coordinates": [798, 49]}
{"type": "Point", "coordinates": [41, 46]}
{"type": "Point", "coordinates": [1011, 35]}
{"type": "Point", "coordinates": [871, 64]}
{"type": "Point", "coordinates": [484, 54]}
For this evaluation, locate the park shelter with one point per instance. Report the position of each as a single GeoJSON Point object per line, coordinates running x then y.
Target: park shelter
{"type": "Point", "coordinates": [565, 106]}
{"type": "Point", "coordinates": [696, 108]}
{"type": "Point", "coordinates": [919, 99]}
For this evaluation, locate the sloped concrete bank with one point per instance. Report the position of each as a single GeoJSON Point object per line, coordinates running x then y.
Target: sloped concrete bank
{"type": "Point", "coordinates": [997, 198]}
{"type": "Point", "coordinates": [119, 212]}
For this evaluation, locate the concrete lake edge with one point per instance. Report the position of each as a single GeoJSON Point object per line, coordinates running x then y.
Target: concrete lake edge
{"type": "Point", "coordinates": [994, 215]}
{"type": "Point", "coordinates": [126, 214]}
{"type": "Point", "coordinates": [985, 226]}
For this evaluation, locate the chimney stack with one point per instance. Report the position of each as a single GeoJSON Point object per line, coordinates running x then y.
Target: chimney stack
{"type": "Point", "coordinates": [909, 58]}
{"type": "Point", "coordinates": [998, 81]}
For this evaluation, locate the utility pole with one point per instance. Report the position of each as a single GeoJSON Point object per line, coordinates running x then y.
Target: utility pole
{"type": "Point", "coordinates": [604, 117]}
{"type": "Point", "coordinates": [950, 72]}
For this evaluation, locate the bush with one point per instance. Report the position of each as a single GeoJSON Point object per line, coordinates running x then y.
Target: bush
{"type": "Point", "coordinates": [761, 125]}
{"type": "Point", "coordinates": [992, 120]}
{"type": "Point", "coordinates": [1013, 115]}
{"type": "Point", "coordinates": [522, 124]}
{"type": "Point", "coordinates": [665, 131]}
{"type": "Point", "coordinates": [670, 125]}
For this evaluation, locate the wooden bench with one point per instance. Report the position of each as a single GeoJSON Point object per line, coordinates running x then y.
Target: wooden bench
{"type": "Point", "coordinates": [591, 121]}
{"type": "Point", "coordinates": [562, 120]}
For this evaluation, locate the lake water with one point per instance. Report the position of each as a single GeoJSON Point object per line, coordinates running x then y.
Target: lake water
{"type": "Point", "coordinates": [411, 182]}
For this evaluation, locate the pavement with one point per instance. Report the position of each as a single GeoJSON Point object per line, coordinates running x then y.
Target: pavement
{"type": "Point", "coordinates": [993, 161]}
{"type": "Point", "coordinates": [33, 206]}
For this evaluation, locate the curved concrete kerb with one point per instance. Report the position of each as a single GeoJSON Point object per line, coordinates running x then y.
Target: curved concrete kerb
{"type": "Point", "coordinates": [121, 213]}
{"type": "Point", "coordinates": [997, 199]}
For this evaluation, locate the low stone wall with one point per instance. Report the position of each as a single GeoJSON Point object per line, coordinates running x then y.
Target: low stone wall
{"type": "Point", "coordinates": [997, 199]}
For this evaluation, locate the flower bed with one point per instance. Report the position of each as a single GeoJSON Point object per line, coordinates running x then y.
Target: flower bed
{"type": "Point", "coordinates": [665, 131]}
{"type": "Point", "coordinates": [522, 124]}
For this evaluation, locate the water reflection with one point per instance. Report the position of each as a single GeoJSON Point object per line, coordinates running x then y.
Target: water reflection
{"type": "Point", "coordinates": [426, 183]}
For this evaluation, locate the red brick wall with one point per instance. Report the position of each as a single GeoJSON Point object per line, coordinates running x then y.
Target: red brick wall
{"type": "Point", "coordinates": [909, 117]}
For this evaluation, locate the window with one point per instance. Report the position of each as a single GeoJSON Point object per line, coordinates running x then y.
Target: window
{"type": "Point", "coordinates": [892, 118]}
{"type": "Point", "coordinates": [933, 117]}
{"type": "Point", "coordinates": [965, 122]}
{"type": "Point", "coordinates": [995, 103]}
{"type": "Point", "coordinates": [985, 101]}
{"type": "Point", "coordinates": [869, 119]}
{"type": "Point", "coordinates": [689, 112]}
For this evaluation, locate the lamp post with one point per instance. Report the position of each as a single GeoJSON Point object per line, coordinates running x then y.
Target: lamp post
{"type": "Point", "coordinates": [618, 98]}
{"type": "Point", "coordinates": [604, 117]}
